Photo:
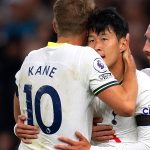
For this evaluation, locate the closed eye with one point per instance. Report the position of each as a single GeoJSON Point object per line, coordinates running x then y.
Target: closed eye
{"type": "Point", "coordinates": [90, 41]}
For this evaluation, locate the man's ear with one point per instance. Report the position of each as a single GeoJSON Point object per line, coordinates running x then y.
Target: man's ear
{"type": "Point", "coordinates": [55, 26]}
{"type": "Point", "coordinates": [123, 44]}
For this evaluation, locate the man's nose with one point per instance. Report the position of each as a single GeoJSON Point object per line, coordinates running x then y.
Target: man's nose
{"type": "Point", "coordinates": [146, 47]}
{"type": "Point", "coordinates": [98, 46]}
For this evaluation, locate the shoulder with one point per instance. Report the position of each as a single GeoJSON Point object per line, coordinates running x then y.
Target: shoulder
{"type": "Point", "coordinates": [142, 75]}
{"type": "Point", "coordinates": [90, 50]}
{"type": "Point", "coordinates": [143, 98]}
{"type": "Point", "coordinates": [90, 53]}
{"type": "Point", "coordinates": [147, 71]}
{"type": "Point", "coordinates": [35, 54]}
{"type": "Point", "coordinates": [84, 49]}
{"type": "Point", "coordinates": [143, 81]}
{"type": "Point", "coordinates": [85, 53]}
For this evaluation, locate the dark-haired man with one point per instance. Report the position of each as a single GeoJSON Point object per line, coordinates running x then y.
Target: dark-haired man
{"type": "Point", "coordinates": [146, 49]}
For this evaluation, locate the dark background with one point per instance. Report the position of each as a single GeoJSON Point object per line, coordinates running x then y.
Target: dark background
{"type": "Point", "coordinates": [26, 25]}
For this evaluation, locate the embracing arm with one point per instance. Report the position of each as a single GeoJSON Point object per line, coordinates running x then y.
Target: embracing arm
{"type": "Point", "coordinates": [16, 107]}
{"type": "Point", "coordinates": [83, 144]}
{"type": "Point", "coordinates": [143, 142]}
{"type": "Point", "coordinates": [100, 132]}
{"type": "Point", "coordinates": [103, 133]}
{"type": "Point", "coordinates": [122, 98]}
{"type": "Point", "coordinates": [23, 131]}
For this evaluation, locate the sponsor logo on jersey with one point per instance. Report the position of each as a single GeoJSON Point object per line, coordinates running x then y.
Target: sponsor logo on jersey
{"type": "Point", "coordinates": [99, 65]}
{"type": "Point", "coordinates": [105, 76]}
{"type": "Point", "coordinates": [146, 110]}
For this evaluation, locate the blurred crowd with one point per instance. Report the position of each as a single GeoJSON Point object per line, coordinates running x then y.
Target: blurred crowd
{"type": "Point", "coordinates": [26, 25]}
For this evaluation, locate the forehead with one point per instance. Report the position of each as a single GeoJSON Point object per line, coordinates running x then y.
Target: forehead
{"type": "Point", "coordinates": [107, 31]}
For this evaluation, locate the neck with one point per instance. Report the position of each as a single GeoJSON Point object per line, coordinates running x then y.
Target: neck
{"type": "Point", "coordinates": [72, 39]}
{"type": "Point", "coordinates": [118, 69]}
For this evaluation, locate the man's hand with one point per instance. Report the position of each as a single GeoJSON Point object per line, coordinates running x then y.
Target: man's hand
{"type": "Point", "coordinates": [82, 144]}
{"type": "Point", "coordinates": [100, 132]}
{"type": "Point", "coordinates": [25, 132]}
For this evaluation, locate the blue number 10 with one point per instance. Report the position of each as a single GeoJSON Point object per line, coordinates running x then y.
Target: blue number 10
{"type": "Point", "coordinates": [56, 108]}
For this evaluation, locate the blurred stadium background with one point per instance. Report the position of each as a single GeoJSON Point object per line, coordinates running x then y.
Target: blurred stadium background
{"type": "Point", "coordinates": [27, 24]}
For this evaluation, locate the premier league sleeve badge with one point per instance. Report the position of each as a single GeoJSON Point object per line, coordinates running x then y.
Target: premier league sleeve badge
{"type": "Point", "coordinates": [99, 65]}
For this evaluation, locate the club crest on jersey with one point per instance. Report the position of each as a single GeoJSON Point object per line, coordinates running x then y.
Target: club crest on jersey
{"type": "Point", "coordinates": [99, 65]}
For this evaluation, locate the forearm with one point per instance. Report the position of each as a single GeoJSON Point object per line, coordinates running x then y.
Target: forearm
{"type": "Point", "coordinates": [16, 108]}
{"type": "Point", "coordinates": [117, 98]}
{"type": "Point", "coordinates": [143, 142]}
{"type": "Point", "coordinates": [130, 86]}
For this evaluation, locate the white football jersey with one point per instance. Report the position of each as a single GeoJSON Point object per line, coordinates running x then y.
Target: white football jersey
{"type": "Point", "coordinates": [128, 135]}
{"type": "Point", "coordinates": [147, 71]}
{"type": "Point", "coordinates": [56, 85]}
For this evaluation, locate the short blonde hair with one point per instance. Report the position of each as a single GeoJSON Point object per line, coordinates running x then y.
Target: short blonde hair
{"type": "Point", "coordinates": [71, 15]}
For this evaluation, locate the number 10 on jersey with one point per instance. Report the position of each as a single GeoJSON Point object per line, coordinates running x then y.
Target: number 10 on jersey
{"type": "Point", "coordinates": [46, 89]}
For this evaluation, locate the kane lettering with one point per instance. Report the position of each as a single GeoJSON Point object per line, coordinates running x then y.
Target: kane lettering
{"type": "Point", "coordinates": [42, 70]}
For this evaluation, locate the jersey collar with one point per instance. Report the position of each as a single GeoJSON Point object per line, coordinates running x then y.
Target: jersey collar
{"type": "Point", "coordinates": [53, 44]}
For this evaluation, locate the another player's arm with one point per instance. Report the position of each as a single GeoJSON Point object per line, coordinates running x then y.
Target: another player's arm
{"type": "Point", "coordinates": [121, 101]}
{"type": "Point", "coordinates": [23, 131]}
{"type": "Point", "coordinates": [84, 144]}
{"type": "Point", "coordinates": [101, 132]}
{"type": "Point", "coordinates": [16, 107]}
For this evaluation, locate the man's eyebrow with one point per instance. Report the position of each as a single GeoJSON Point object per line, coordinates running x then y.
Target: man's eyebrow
{"type": "Point", "coordinates": [103, 33]}
{"type": "Point", "coordinates": [90, 35]}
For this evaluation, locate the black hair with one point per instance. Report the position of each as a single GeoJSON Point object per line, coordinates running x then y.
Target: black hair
{"type": "Point", "coordinates": [100, 20]}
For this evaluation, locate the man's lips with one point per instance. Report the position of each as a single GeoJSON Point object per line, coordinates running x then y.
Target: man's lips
{"type": "Point", "coordinates": [103, 56]}
{"type": "Point", "coordinates": [147, 54]}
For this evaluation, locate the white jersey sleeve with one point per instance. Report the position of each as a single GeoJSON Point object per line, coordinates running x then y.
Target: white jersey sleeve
{"type": "Point", "coordinates": [100, 78]}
